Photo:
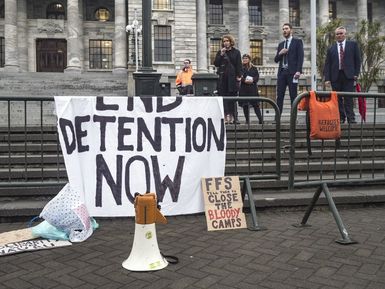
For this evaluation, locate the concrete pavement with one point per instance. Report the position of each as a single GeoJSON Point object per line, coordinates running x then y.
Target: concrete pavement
{"type": "Point", "coordinates": [280, 257]}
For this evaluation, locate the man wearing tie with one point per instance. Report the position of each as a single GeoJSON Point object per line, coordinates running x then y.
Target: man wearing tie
{"type": "Point", "coordinates": [342, 67]}
{"type": "Point", "coordinates": [290, 58]}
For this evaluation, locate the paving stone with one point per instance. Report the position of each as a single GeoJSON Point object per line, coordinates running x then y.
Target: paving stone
{"type": "Point", "coordinates": [304, 256]}
{"type": "Point", "coordinates": [42, 282]}
{"type": "Point", "coordinates": [17, 283]}
{"type": "Point", "coordinates": [184, 282]}
{"type": "Point", "coordinates": [370, 269]}
{"type": "Point", "coordinates": [325, 271]}
{"type": "Point", "coordinates": [363, 252]}
{"type": "Point", "coordinates": [207, 282]}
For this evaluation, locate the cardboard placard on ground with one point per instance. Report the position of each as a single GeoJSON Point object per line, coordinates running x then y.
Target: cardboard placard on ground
{"type": "Point", "coordinates": [32, 245]}
{"type": "Point", "coordinates": [223, 203]}
{"type": "Point", "coordinates": [16, 236]}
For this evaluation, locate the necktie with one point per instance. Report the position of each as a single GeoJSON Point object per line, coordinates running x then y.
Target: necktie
{"type": "Point", "coordinates": [285, 55]}
{"type": "Point", "coordinates": [342, 53]}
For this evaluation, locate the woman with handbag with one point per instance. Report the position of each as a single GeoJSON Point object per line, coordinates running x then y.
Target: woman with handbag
{"type": "Point", "coordinates": [249, 87]}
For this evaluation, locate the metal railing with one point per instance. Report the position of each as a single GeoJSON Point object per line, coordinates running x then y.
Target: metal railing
{"type": "Point", "coordinates": [30, 142]}
{"type": "Point", "coordinates": [251, 145]}
{"type": "Point", "coordinates": [254, 145]}
{"type": "Point", "coordinates": [357, 158]}
{"type": "Point", "coordinates": [30, 154]}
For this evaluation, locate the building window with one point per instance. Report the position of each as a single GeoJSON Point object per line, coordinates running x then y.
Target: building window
{"type": "Point", "coordinates": [255, 12]}
{"type": "Point", "coordinates": [332, 9]}
{"type": "Point", "coordinates": [370, 12]}
{"type": "Point", "coordinates": [102, 14]}
{"type": "Point", "coordinates": [162, 43]}
{"type": "Point", "coordinates": [381, 101]}
{"type": "Point", "coordinates": [1, 11]}
{"type": "Point", "coordinates": [161, 4]}
{"type": "Point", "coordinates": [215, 12]}
{"type": "Point", "coordinates": [256, 52]}
{"type": "Point", "coordinates": [215, 46]}
{"type": "Point", "coordinates": [55, 11]}
{"type": "Point", "coordinates": [100, 54]}
{"type": "Point", "coordinates": [2, 52]}
{"type": "Point", "coordinates": [294, 12]}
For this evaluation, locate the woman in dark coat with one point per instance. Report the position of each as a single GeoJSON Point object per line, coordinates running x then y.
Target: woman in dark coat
{"type": "Point", "coordinates": [228, 62]}
{"type": "Point", "coordinates": [250, 77]}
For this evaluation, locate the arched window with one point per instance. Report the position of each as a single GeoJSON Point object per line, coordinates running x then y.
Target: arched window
{"type": "Point", "coordinates": [102, 14]}
{"type": "Point", "coordinates": [55, 11]}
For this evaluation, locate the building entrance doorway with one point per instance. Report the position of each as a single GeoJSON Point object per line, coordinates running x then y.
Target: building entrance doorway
{"type": "Point", "coordinates": [51, 55]}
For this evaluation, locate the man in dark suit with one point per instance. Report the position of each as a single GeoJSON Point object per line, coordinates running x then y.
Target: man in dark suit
{"type": "Point", "coordinates": [342, 67]}
{"type": "Point", "coordinates": [290, 58]}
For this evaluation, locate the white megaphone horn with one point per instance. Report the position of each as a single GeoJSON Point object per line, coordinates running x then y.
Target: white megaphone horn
{"type": "Point", "coordinates": [145, 254]}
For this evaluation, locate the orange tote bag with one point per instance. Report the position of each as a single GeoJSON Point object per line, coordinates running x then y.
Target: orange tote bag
{"type": "Point", "coordinates": [324, 117]}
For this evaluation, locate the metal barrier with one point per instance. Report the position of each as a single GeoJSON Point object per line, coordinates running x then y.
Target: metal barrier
{"type": "Point", "coordinates": [30, 151]}
{"type": "Point", "coordinates": [358, 158]}
{"type": "Point", "coordinates": [253, 146]}
{"type": "Point", "coordinates": [30, 154]}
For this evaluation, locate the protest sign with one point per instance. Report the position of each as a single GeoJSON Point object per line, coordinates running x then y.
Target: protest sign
{"type": "Point", "coordinates": [115, 147]}
{"type": "Point", "coordinates": [223, 203]}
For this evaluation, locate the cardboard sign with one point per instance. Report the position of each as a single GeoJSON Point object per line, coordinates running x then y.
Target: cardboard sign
{"type": "Point", "coordinates": [223, 203]}
{"type": "Point", "coordinates": [33, 245]}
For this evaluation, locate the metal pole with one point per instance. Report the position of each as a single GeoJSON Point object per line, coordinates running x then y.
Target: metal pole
{"type": "Point", "coordinates": [313, 25]}
{"type": "Point", "coordinates": [147, 35]}
{"type": "Point", "coordinates": [255, 226]}
{"type": "Point", "coordinates": [136, 45]}
{"type": "Point", "coordinates": [341, 227]}
{"type": "Point", "coordinates": [310, 208]}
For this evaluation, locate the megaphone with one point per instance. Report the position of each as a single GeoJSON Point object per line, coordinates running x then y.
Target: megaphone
{"type": "Point", "coordinates": [145, 254]}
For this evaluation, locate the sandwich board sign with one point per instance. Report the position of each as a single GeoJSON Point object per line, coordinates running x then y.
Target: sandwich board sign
{"type": "Point", "coordinates": [223, 203]}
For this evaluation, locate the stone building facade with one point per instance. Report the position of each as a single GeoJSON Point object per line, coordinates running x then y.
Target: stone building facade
{"type": "Point", "coordinates": [86, 39]}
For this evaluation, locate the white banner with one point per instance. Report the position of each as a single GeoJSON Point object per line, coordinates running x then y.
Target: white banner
{"type": "Point", "coordinates": [115, 147]}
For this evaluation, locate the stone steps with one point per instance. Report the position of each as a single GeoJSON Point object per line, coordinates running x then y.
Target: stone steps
{"type": "Point", "coordinates": [51, 84]}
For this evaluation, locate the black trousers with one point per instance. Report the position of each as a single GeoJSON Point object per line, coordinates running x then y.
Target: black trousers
{"type": "Point", "coordinates": [229, 106]}
{"type": "Point", "coordinates": [285, 78]}
{"type": "Point", "coordinates": [345, 104]}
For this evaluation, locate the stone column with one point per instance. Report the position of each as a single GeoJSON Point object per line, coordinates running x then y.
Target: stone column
{"type": "Point", "coordinates": [22, 34]}
{"type": "Point", "coordinates": [74, 37]}
{"type": "Point", "coordinates": [10, 35]}
{"type": "Point", "coordinates": [323, 13]}
{"type": "Point", "coordinates": [243, 26]}
{"type": "Point", "coordinates": [283, 12]}
{"type": "Point", "coordinates": [120, 39]}
{"type": "Point", "coordinates": [201, 37]}
{"type": "Point", "coordinates": [362, 10]}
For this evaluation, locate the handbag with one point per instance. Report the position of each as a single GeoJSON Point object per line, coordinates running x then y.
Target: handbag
{"type": "Point", "coordinates": [324, 117]}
